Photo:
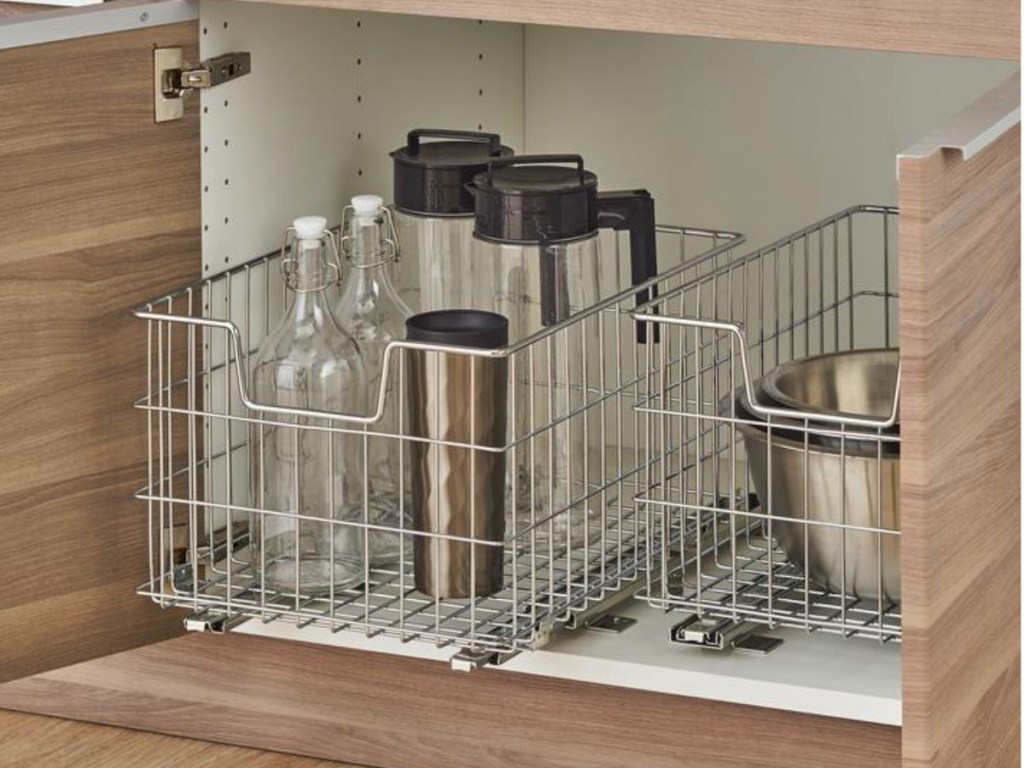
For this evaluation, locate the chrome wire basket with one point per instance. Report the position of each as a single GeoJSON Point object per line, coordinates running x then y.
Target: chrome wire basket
{"type": "Point", "coordinates": [200, 508]}
{"type": "Point", "coordinates": [770, 406]}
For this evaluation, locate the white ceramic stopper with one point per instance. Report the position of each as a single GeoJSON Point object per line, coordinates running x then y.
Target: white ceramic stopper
{"type": "Point", "coordinates": [309, 227]}
{"type": "Point", "coordinates": [367, 207]}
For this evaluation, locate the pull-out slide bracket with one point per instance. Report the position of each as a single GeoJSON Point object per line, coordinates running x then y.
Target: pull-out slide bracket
{"type": "Point", "coordinates": [721, 635]}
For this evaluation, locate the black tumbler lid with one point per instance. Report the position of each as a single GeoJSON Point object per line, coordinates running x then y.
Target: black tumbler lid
{"type": "Point", "coordinates": [459, 328]}
{"type": "Point", "coordinates": [431, 176]}
{"type": "Point", "coordinates": [528, 199]}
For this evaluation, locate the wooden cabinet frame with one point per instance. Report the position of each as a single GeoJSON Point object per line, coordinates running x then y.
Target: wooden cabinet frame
{"type": "Point", "coordinates": [960, 475]}
{"type": "Point", "coordinates": [107, 230]}
{"type": "Point", "coordinates": [989, 29]}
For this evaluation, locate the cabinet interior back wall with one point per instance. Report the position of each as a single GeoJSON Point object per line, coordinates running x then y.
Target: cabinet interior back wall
{"type": "Point", "coordinates": [760, 138]}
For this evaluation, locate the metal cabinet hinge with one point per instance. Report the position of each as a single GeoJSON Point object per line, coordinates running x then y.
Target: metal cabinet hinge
{"type": "Point", "coordinates": [173, 81]}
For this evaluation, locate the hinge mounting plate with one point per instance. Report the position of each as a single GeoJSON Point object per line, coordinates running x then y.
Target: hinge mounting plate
{"type": "Point", "coordinates": [173, 81]}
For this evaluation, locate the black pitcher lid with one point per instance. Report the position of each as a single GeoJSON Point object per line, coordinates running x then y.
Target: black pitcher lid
{"type": "Point", "coordinates": [532, 199]}
{"type": "Point", "coordinates": [431, 176]}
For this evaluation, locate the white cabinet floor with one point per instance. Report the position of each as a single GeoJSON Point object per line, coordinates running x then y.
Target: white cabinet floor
{"type": "Point", "coordinates": [820, 674]}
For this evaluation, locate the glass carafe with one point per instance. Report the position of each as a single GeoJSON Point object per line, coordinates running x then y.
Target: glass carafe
{"type": "Point", "coordinates": [371, 311]}
{"type": "Point", "coordinates": [538, 262]}
{"type": "Point", "coordinates": [310, 477]}
{"type": "Point", "coordinates": [433, 213]}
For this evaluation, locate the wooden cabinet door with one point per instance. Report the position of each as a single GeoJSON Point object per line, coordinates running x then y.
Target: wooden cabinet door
{"type": "Point", "coordinates": [99, 210]}
{"type": "Point", "coordinates": [960, 484]}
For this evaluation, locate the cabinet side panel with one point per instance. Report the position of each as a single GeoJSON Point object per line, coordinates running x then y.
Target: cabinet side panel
{"type": "Point", "coordinates": [100, 212]}
{"type": "Point", "coordinates": [960, 485]}
{"type": "Point", "coordinates": [375, 709]}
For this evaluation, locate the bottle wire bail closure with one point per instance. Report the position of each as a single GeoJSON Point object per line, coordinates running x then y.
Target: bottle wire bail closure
{"type": "Point", "coordinates": [289, 264]}
{"type": "Point", "coordinates": [391, 249]}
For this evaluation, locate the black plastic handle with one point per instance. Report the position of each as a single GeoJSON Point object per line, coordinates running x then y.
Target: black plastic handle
{"type": "Point", "coordinates": [505, 162]}
{"type": "Point", "coordinates": [493, 140]}
{"type": "Point", "coordinates": [633, 210]}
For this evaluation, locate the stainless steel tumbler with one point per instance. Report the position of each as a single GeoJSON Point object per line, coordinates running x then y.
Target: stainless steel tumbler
{"type": "Point", "coordinates": [457, 490]}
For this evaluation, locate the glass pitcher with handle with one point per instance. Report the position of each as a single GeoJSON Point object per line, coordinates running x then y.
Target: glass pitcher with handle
{"type": "Point", "coordinates": [433, 212]}
{"type": "Point", "coordinates": [537, 260]}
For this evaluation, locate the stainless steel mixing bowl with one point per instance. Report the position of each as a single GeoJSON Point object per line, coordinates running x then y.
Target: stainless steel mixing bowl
{"type": "Point", "coordinates": [830, 482]}
{"type": "Point", "coordinates": [858, 383]}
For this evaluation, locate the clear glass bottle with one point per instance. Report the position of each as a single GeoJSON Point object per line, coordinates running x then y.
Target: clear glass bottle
{"type": "Point", "coordinates": [372, 312]}
{"type": "Point", "coordinates": [307, 362]}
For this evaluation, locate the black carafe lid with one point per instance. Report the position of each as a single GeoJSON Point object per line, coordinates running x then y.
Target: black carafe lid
{"type": "Point", "coordinates": [536, 199]}
{"type": "Point", "coordinates": [529, 199]}
{"type": "Point", "coordinates": [431, 176]}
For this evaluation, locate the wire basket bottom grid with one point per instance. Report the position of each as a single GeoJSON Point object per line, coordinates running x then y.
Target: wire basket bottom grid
{"type": "Point", "coordinates": [515, 618]}
{"type": "Point", "coordinates": [753, 581]}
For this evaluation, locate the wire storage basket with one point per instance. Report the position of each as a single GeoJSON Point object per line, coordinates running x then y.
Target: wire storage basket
{"type": "Point", "coordinates": [771, 495]}
{"type": "Point", "coordinates": [572, 533]}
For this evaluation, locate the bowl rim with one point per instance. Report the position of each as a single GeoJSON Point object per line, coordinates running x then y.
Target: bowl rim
{"type": "Point", "coordinates": [769, 384]}
{"type": "Point", "coordinates": [789, 433]}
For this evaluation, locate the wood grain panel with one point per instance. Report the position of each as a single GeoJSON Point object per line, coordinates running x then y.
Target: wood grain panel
{"type": "Point", "coordinates": [405, 713]}
{"type": "Point", "coordinates": [984, 28]}
{"type": "Point", "coordinates": [30, 741]}
{"type": "Point", "coordinates": [100, 211]}
{"type": "Point", "coordinates": [960, 485]}
{"type": "Point", "coordinates": [21, 9]}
